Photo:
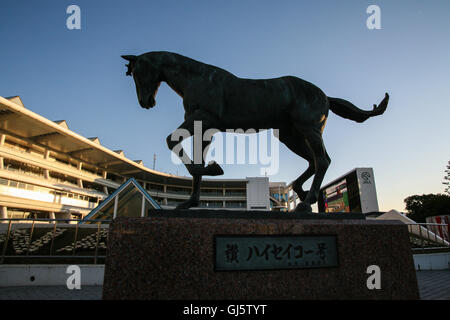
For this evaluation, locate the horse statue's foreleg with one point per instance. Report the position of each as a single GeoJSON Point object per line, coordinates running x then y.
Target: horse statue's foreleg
{"type": "Point", "coordinates": [194, 199]}
{"type": "Point", "coordinates": [197, 170]}
{"type": "Point", "coordinates": [212, 169]}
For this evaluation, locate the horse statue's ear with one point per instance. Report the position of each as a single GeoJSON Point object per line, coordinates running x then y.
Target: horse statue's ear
{"type": "Point", "coordinates": [132, 59]}
{"type": "Point", "coordinates": [129, 58]}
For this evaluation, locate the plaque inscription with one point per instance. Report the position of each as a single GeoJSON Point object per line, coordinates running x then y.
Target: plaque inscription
{"type": "Point", "coordinates": [271, 252]}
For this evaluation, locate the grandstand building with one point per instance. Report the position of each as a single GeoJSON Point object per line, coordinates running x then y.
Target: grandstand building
{"type": "Point", "coordinates": [49, 171]}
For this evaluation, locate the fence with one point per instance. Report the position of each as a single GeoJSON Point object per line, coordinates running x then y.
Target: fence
{"type": "Point", "coordinates": [42, 241]}
{"type": "Point", "coordinates": [422, 237]}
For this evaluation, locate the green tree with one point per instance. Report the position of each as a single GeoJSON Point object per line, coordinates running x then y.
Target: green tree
{"type": "Point", "coordinates": [427, 205]}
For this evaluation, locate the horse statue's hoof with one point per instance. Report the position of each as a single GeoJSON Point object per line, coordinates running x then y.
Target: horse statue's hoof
{"type": "Point", "coordinates": [303, 207]}
{"type": "Point", "coordinates": [301, 193]}
{"type": "Point", "coordinates": [187, 204]}
{"type": "Point", "coordinates": [213, 169]}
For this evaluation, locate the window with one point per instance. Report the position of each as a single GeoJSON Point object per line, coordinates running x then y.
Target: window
{"type": "Point", "coordinates": [178, 190]}
{"type": "Point", "coordinates": [211, 192]}
{"type": "Point", "coordinates": [155, 187]}
{"type": "Point", "coordinates": [236, 192]}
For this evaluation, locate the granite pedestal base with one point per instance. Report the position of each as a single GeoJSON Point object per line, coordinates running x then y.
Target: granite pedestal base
{"type": "Point", "coordinates": [172, 255]}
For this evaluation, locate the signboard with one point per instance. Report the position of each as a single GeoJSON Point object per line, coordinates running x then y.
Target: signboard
{"type": "Point", "coordinates": [352, 192]}
{"type": "Point", "coordinates": [272, 252]}
{"type": "Point", "coordinates": [336, 198]}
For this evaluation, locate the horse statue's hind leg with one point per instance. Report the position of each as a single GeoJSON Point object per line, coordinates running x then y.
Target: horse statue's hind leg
{"type": "Point", "coordinates": [197, 170]}
{"type": "Point", "coordinates": [297, 144]}
{"type": "Point", "coordinates": [321, 164]}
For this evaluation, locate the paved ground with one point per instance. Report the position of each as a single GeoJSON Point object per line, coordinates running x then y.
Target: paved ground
{"type": "Point", "coordinates": [50, 293]}
{"type": "Point", "coordinates": [433, 285]}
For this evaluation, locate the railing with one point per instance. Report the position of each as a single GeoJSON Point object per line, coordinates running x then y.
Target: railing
{"type": "Point", "coordinates": [235, 193]}
{"type": "Point", "coordinates": [211, 204]}
{"type": "Point", "coordinates": [235, 204]}
{"type": "Point", "coordinates": [170, 191]}
{"type": "Point", "coordinates": [55, 241]}
{"type": "Point", "coordinates": [421, 237]}
{"type": "Point", "coordinates": [62, 241]}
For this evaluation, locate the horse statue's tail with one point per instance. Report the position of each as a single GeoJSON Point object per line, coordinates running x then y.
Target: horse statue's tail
{"type": "Point", "coordinates": [347, 110]}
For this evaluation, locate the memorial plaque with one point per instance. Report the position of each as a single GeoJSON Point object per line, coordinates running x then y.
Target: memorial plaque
{"type": "Point", "coordinates": [271, 252]}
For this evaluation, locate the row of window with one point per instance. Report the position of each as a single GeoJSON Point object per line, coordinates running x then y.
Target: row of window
{"type": "Point", "coordinates": [173, 202]}
{"type": "Point", "coordinates": [31, 187]}
{"type": "Point", "coordinates": [281, 196]}
{"type": "Point", "coordinates": [37, 171]}
{"type": "Point", "coordinates": [22, 185]}
{"type": "Point", "coordinates": [208, 204]}
{"type": "Point", "coordinates": [28, 169]}
{"type": "Point", "coordinates": [32, 170]}
{"type": "Point", "coordinates": [21, 148]}
{"type": "Point", "coordinates": [187, 191]}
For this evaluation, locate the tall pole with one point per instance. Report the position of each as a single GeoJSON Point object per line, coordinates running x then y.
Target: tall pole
{"type": "Point", "coordinates": [154, 161]}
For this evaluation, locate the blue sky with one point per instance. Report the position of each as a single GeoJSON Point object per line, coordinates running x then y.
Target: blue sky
{"type": "Point", "coordinates": [78, 75]}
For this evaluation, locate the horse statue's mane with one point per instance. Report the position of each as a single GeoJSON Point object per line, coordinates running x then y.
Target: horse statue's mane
{"type": "Point", "coordinates": [167, 57]}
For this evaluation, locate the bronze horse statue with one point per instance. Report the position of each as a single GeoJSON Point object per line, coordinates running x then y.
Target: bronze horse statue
{"type": "Point", "coordinates": [297, 108]}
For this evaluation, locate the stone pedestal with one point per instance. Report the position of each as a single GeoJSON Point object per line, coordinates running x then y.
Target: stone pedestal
{"type": "Point", "coordinates": [173, 255]}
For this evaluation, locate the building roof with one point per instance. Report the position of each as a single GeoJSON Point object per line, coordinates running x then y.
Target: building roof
{"type": "Point", "coordinates": [99, 213]}
{"type": "Point", "coordinates": [16, 120]}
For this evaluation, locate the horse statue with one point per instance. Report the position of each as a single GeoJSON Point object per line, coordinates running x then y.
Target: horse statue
{"type": "Point", "coordinates": [221, 100]}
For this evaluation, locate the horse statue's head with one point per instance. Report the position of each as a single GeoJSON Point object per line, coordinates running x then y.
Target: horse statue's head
{"type": "Point", "coordinates": [147, 78]}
